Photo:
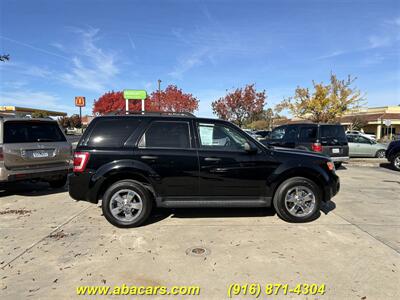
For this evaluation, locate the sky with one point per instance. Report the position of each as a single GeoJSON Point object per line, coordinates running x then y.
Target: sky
{"type": "Point", "coordinates": [67, 48]}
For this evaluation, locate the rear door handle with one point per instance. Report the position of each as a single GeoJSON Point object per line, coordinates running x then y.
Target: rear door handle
{"type": "Point", "coordinates": [212, 159]}
{"type": "Point", "coordinates": [149, 157]}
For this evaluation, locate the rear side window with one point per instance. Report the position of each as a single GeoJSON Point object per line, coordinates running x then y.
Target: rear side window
{"type": "Point", "coordinates": [331, 132]}
{"type": "Point", "coordinates": [32, 132]}
{"type": "Point", "coordinates": [308, 134]}
{"type": "Point", "coordinates": [112, 132]}
{"type": "Point", "coordinates": [166, 135]}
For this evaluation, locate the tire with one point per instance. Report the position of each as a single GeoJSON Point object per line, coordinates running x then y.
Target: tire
{"type": "Point", "coordinates": [282, 207]}
{"type": "Point", "coordinates": [128, 189]}
{"type": "Point", "coordinates": [396, 162]}
{"type": "Point", "coordinates": [338, 164]}
{"type": "Point", "coordinates": [58, 183]}
{"type": "Point", "coordinates": [380, 154]}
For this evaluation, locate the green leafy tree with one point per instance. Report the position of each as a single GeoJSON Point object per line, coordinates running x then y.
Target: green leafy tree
{"type": "Point", "coordinates": [325, 103]}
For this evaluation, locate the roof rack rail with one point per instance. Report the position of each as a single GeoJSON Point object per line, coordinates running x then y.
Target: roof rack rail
{"type": "Point", "coordinates": [150, 113]}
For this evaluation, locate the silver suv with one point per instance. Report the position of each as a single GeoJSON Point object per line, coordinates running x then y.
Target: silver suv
{"type": "Point", "coordinates": [33, 149]}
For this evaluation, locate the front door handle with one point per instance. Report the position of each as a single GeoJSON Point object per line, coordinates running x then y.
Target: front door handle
{"type": "Point", "coordinates": [212, 159]}
{"type": "Point", "coordinates": [149, 157]}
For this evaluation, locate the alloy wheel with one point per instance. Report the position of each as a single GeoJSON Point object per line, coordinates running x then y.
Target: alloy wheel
{"type": "Point", "coordinates": [300, 201]}
{"type": "Point", "coordinates": [126, 205]}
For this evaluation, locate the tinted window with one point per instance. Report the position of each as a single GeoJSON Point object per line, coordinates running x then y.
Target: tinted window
{"type": "Point", "coordinates": [331, 132]}
{"type": "Point", "coordinates": [350, 139]}
{"type": "Point", "coordinates": [291, 134]}
{"type": "Point", "coordinates": [112, 132]}
{"type": "Point", "coordinates": [166, 135]}
{"type": "Point", "coordinates": [32, 131]}
{"type": "Point", "coordinates": [308, 134]}
{"type": "Point", "coordinates": [278, 133]}
{"type": "Point", "coordinates": [216, 136]}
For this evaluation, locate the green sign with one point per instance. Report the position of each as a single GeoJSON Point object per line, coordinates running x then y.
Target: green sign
{"type": "Point", "coordinates": [135, 94]}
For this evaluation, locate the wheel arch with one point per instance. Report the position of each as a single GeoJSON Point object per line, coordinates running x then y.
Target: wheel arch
{"type": "Point", "coordinates": [120, 170]}
{"type": "Point", "coordinates": [311, 174]}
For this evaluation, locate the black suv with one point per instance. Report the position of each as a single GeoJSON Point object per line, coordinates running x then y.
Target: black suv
{"type": "Point", "coordinates": [393, 154]}
{"type": "Point", "coordinates": [172, 160]}
{"type": "Point", "coordinates": [327, 139]}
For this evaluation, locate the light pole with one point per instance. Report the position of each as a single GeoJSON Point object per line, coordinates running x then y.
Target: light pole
{"type": "Point", "coordinates": [159, 94]}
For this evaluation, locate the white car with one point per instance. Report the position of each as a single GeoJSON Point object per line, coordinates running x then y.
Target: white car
{"type": "Point", "coordinates": [356, 132]}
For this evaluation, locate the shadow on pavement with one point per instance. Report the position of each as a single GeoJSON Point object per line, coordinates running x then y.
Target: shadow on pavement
{"type": "Point", "coordinates": [386, 165]}
{"type": "Point", "coordinates": [159, 214]}
{"type": "Point", "coordinates": [26, 188]}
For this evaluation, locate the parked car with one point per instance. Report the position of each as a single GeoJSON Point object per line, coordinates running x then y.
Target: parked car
{"type": "Point", "coordinates": [264, 133]}
{"type": "Point", "coordinates": [33, 149]}
{"type": "Point", "coordinates": [356, 132]}
{"type": "Point", "coordinates": [323, 138]}
{"type": "Point", "coordinates": [134, 162]}
{"type": "Point", "coordinates": [253, 134]}
{"type": "Point", "coordinates": [361, 146]}
{"type": "Point", "coordinates": [393, 154]}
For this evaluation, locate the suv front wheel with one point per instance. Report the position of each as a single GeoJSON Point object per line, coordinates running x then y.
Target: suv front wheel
{"type": "Point", "coordinates": [298, 199]}
{"type": "Point", "coordinates": [126, 203]}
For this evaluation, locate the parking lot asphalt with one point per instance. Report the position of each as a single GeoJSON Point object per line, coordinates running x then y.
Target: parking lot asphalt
{"type": "Point", "coordinates": [50, 244]}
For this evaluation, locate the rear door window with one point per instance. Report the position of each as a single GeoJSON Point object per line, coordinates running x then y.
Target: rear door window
{"type": "Point", "coordinates": [290, 134]}
{"type": "Point", "coordinates": [164, 134]}
{"type": "Point", "coordinates": [308, 134]}
{"type": "Point", "coordinates": [110, 133]}
{"type": "Point", "coordinates": [32, 132]}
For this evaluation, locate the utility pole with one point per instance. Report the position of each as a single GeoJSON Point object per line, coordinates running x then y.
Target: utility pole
{"type": "Point", "coordinates": [159, 94]}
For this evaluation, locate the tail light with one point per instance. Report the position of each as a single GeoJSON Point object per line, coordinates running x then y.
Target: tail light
{"type": "Point", "coordinates": [1, 154]}
{"type": "Point", "coordinates": [80, 161]}
{"type": "Point", "coordinates": [316, 147]}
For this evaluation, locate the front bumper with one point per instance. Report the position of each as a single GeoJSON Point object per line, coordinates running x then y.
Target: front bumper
{"type": "Point", "coordinates": [332, 188]}
{"type": "Point", "coordinates": [340, 158]}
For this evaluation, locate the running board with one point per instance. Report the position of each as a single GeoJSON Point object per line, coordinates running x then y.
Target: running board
{"type": "Point", "coordinates": [214, 202]}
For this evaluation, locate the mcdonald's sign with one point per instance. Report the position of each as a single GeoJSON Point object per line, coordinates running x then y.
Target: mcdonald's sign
{"type": "Point", "coordinates": [80, 101]}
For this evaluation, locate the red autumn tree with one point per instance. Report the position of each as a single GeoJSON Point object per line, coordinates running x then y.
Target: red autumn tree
{"type": "Point", "coordinates": [240, 105]}
{"type": "Point", "coordinates": [174, 99]}
{"type": "Point", "coordinates": [170, 99]}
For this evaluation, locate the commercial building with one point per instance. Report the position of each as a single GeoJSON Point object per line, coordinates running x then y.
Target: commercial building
{"type": "Point", "coordinates": [26, 111]}
{"type": "Point", "coordinates": [382, 121]}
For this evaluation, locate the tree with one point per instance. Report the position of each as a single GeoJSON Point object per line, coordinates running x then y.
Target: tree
{"type": "Point", "coordinates": [4, 57]}
{"type": "Point", "coordinates": [358, 123]}
{"type": "Point", "coordinates": [326, 103]}
{"type": "Point", "coordinates": [63, 121]}
{"type": "Point", "coordinates": [241, 105]}
{"type": "Point", "coordinates": [73, 121]}
{"type": "Point", "coordinates": [170, 99]}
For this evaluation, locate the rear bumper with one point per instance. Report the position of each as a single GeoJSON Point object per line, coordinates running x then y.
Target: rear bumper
{"type": "Point", "coordinates": [340, 158]}
{"type": "Point", "coordinates": [82, 188]}
{"type": "Point", "coordinates": [39, 174]}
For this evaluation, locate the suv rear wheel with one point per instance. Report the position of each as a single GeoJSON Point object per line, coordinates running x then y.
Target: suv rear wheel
{"type": "Point", "coordinates": [126, 203]}
{"type": "Point", "coordinates": [298, 199]}
{"type": "Point", "coordinates": [396, 162]}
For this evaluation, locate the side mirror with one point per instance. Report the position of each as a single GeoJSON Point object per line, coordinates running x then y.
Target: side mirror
{"type": "Point", "coordinates": [250, 148]}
